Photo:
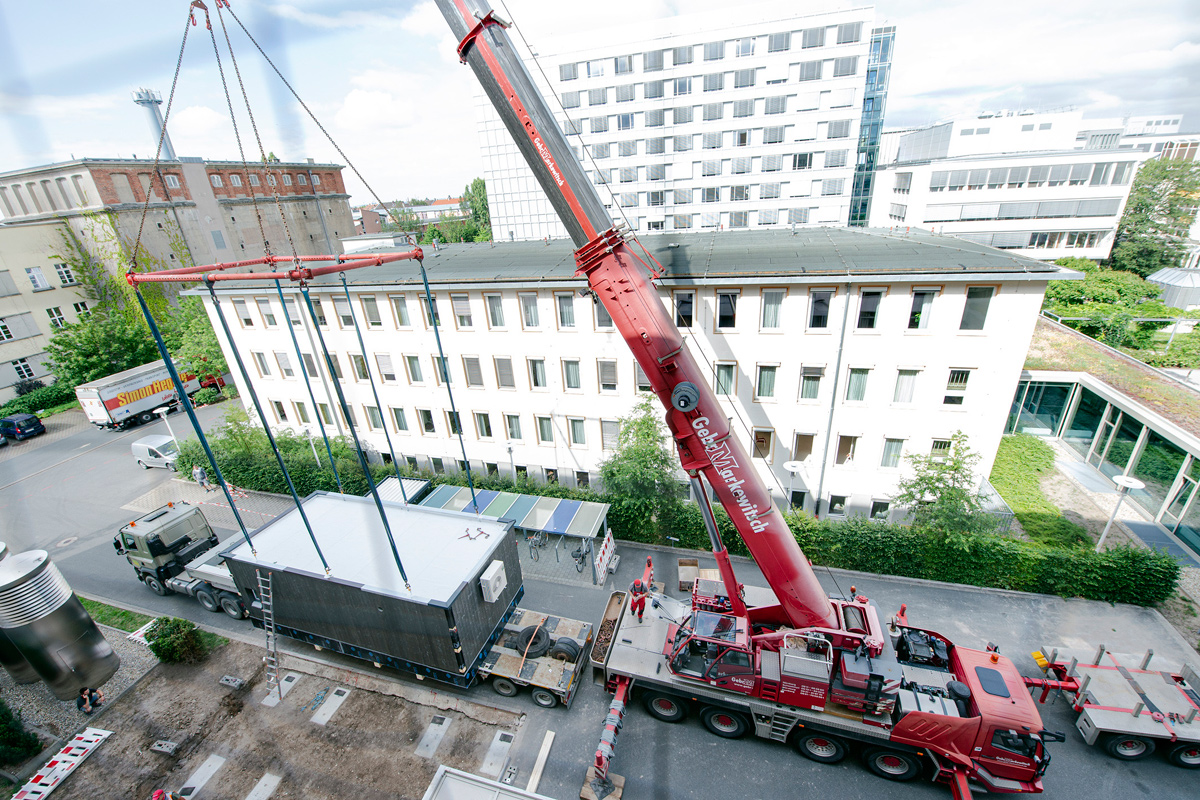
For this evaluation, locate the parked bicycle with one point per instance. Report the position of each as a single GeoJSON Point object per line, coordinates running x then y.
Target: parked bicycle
{"type": "Point", "coordinates": [536, 541]}
{"type": "Point", "coordinates": [580, 554]}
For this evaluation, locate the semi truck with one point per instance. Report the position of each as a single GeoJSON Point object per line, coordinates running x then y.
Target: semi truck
{"type": "Point", "coordinates": [128, 398]}
{"type": "Point", "coordinates": [787, 663]}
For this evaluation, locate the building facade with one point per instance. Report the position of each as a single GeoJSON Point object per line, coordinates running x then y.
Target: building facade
{"type": "Point", "coordinates": [841, 349]}
{"type": "Point", "coordinates": [704, 124]}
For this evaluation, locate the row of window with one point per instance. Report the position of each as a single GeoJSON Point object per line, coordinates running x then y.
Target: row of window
{"type": "Point", "coordinates": [716, 141]}
{"type": "Point", "coordinates": [1109, 173]}
{"type": "Point", "coordinates": [1047, 209]}
{"type": "Point", "coordinates": [38, 278]}
{"type": "Point", "coordinates": [735, 219]}
{"type": "Point", "coordinates": [235, 179]}
{"type": "Point", "coordinates": [683, 115]}
{"type": "Point", "coordinates": [849, 449]}
{"type": "Point", "coordinates": [29, 200]}
{"type": "Point", "coordinates": [738, 166]}
{"type": "Point", "coordinates": [766, 388]}
{"type": "Point", "coordinates": [1038, 240]}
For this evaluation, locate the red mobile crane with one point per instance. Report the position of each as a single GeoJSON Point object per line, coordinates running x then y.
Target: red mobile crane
{"type": "Point", "coordinates": [791, 664]}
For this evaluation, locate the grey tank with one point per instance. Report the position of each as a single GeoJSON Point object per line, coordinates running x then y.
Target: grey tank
{"type": "Point", "coordinates": [10, 657]}
{"type": "Point", "coordinates": [48, 625]}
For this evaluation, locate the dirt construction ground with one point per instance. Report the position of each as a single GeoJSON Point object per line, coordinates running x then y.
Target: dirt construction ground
{"type": "Point", "coordinates": [188, 705]}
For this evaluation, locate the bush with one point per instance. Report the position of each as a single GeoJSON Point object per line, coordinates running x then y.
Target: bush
{"type": "Point", "coordinates": [46, 397]}
{"type": "Point", "coordinates": [176, 641]}
{"type": "Point", "coordinates": [17, 745]}
{"type": "Point", "coordinates": [207, 396]}
{"type": "Point", "coordinates": [24, 387]}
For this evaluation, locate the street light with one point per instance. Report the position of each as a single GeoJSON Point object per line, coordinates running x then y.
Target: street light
{"type": "Point", "coordinates": [792, 467]}
{"type": "Point", "coordinates": [162, 411]}
{"type": "Point", "coordinates": [1124, 484]}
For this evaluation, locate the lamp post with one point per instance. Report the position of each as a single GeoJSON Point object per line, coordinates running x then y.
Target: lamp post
{"type": "Point", "coordinates": [1124, 484]}
{"type": "Point", "coordinates": [162, 412]}
{"type": "Point", "coordinates": [792, 467]}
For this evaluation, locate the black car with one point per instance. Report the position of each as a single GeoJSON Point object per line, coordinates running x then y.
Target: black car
{"type": "Point", "coordinates": [21, 426]}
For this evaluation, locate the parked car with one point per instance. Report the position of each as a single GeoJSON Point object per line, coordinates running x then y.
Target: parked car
{"type": "Point", "coordinates": [156, 451]}
{"type": "Point", "coordinates": [21, 426]}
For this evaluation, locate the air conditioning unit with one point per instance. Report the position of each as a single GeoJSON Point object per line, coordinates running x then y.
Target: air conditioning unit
{"type": "Point", "coordinates": [493, 581]}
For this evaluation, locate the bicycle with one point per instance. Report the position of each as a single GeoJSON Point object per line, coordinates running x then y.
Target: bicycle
{"type": "Point", "coordinates": [536, 541]}
{"type": "Point", "coordinates": [580, 554]}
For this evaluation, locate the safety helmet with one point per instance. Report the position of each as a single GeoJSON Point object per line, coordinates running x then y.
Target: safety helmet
{"type": "Point", "coordinates": [637, 585]}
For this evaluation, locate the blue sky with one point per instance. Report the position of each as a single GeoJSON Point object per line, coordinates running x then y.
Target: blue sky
{"type": "Point", "coordinates": [386, 83]}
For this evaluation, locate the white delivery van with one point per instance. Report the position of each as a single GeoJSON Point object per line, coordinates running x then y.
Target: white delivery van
{"type": "Point", "coordinates": [156, 451]}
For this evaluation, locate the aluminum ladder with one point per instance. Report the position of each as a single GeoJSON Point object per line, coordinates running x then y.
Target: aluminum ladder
{"type": "Point", "coordinates": [268, 617]}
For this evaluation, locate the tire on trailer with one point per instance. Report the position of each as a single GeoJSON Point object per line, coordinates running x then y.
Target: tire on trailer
{"type": "Point", "coordinates": [820, 747]}
{"type": "Point", "coordinates": [156, 586]}
{"type": "Point", "coordinates": [665, 707]}
{"type": "Point", "coordinates": [895, 765]}
{"type": "Point", "coordinates": [233, 607]}
{"type": "Point", "coordinates": [504, 687]}
{"type": "Point", "coordinates": [565, 650]}
{"type": "Point", "coordinates": [544, 698]}
{"type": "Point", "coordinates": [206, 598]}
{"type": "Point", "coordinates": [145, 417]}
{"type": "Point", "coordinates": [1185, 754]}
{"type": "Point", "coordinates": [1127, 747]}
{"type": "Point", "coordinates": [533, 641]}
{"type": "Point", "coordinates": [724, 723]}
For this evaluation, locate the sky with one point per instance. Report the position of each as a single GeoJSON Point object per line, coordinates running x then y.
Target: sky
{"type": "Point", "coordinates": [386, 84]}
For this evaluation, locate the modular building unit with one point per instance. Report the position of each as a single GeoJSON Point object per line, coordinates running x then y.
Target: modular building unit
{"type": "Point", "coordinates": [442, 626]}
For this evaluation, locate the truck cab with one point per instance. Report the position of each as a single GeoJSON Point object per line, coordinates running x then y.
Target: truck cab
{"type": "Point", "coordinates": [160, 544]}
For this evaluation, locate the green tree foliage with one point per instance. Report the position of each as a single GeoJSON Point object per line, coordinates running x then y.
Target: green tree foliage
{"type": "Point", "coordinates": [401, 220]}
{"type": "Point", "coordinates": [1162, 205]}
{"type": "Point", "coordinates": [1100, 286]}
{"type": "Point", "coordinates": [17, 745]}
{"type": "Point", "coordinates": [190, 338]}
{"type": "Point", "coordinates": [100, 344]}
{"type": "Point", "coordinates": [475, 204]}
{"type": "Point", "coordinates": [641, 471]}
{"type": "Point", "coordinates": [176, 641]}
{"type": "Point", "coordinates": [942, 493]}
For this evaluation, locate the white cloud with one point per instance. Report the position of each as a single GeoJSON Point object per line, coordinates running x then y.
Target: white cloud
{"type": "Point", "coordinates": [374, 19]}
{"type": "Point", "coordinates": [425, 20]}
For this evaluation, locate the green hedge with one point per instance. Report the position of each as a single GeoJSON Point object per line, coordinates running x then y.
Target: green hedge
{"type": "Point", "coordinates": [47, 397]}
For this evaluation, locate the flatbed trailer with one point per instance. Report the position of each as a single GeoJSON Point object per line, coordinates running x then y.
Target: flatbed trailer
{"type": "Point", "coordinates": [552, 678]}
{"type": "Point", "coordinates": [1131, 705]}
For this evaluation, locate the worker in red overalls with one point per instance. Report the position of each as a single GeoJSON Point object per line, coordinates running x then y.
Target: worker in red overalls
{"type": "Point", "coordinates": [637, 598]}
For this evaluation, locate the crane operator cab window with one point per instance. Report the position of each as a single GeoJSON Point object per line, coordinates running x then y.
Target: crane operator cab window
{"type": "Point", "coordinates": [711, 645]}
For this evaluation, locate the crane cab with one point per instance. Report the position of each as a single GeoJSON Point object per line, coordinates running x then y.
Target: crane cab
{"type": "Point", "coordinates": [714, 648]}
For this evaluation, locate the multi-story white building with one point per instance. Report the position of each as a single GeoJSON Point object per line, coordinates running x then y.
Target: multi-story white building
{"type": "Point", "coordinates": [843, 349]}
{"type": "Point", "coordinates": [704, 124]}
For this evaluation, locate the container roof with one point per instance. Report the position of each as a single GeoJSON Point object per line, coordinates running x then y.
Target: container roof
{"type": "Point", "coordinates": [439, 549]}
{"type": "Point", "coordinates": [529, 512]}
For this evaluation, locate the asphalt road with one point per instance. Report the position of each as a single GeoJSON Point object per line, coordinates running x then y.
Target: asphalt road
{"type": "Point", "coordinates": [63, 492]}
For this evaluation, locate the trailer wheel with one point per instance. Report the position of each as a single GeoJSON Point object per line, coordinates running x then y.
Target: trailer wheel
{"type": "Point", "coordinates": [504, 687]}
{"type": "Point", "coordinates": [565, 650]}
{"type": "Point", "coordinates": [1128, 748]}
{"type": "Point", "coordinates": [821, 747]}
{"type": "Point", "coordinates": [205, 598]}
{"type": "Point", "coordinates": [664, 707]}
{"type": "Point", "coordinates": [726, 724]}
{"type": "Point", "coordinates": [544, 698]}
{"type": "Point", "coordinates": [156, 586]}
{"type": "Point", "coordinates": [1186, 755]}
{"type": "Point", "coordinates": [233, 607]}
{"type": "Point", "coordinates": [895, 765]}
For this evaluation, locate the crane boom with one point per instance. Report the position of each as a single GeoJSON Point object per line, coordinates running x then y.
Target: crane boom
{"type": "Point", "coordinates": [621, 282]}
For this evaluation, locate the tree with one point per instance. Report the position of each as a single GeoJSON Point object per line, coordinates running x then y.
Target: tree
{"type": "Point", "coordinates": [190, 337]}
{"type": "Point", "coordinates": [641, 471]}
{"type": "Point", "coordinates": [475, 205]}
{"type": "Point", "coordinates": [1162, 205]}
{"type": "Point", "coordinates": [401, 220]}
{"type": "Point", "coordinates": [100, 344]}
{"type": "Point", "coordinates": [942, 493]}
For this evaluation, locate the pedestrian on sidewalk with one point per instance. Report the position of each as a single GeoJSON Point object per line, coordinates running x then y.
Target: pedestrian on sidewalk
{"type": "Point", "coordinates": [201, 477]}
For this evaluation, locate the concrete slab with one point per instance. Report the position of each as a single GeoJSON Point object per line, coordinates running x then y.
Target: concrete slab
{"type": "Point", "coordinates": [1086, 476]}
{"type": "Point", "coordinates": [332, 703]}
{"type": "Point", "coordinates": [191, 788]}
{"type": "Point", "coordinates": [497, 755]}
{"type": "Point", "coordinates": [433, 736]}
{"type": "Point", "coordinates": [264, 788]}
{"type": "Point", "coordinates": [285, 685]}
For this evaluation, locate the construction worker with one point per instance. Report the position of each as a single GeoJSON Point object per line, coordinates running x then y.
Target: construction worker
{"type": "Point", "coordinates": [637, 598]}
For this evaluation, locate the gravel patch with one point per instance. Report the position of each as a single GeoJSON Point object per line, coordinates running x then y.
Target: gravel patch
{"type": "Point", "coordinates": [41, 710]}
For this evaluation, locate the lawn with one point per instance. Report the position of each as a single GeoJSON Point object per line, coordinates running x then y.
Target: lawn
{"type": "Point", "coordinates": [113, 617]}
{"type": "Point", "coordinates": [1021, 462]}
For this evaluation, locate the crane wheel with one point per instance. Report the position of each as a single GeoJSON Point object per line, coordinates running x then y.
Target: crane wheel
{"type": "Point", "coordinates": [724, 723]}
{"type": "Point", "coordinates": [895, 765]}
{"type": "Point", "coordinates": [1186, 755]}
{"type": "Point", "coordinates": [665, 707]}
{"type": "Point", "coordinates": [821, 747]}
{"type": "Point", "coordinates": [1128, 748]}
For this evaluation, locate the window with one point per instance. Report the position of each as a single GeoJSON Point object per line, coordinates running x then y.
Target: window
{"type": "Point", "coordinates": [683, 308]}
{"type": "Point", "coordinates": [846, 445]}
{"type": "Point", "coordinates": [215, 180]}
{"type": "Point", "coordinates": [892, 448]}
{"type": "Point", "coordinates": [956, 387]}
{"type": "Point", "coordinates": [235, 180]}
{"type": "Point", "coordinates": [640, 381]}
{"type": "Point", "coordinates": [726, 309]}
{"type": "Point", "coordinates": [453, 423]}
{"type": "Point", "coordinates": [975, 311]}
{"type": "Point", "coordinates": [537, 373]}
{"type": "Point", "coordinates": [413, 363]}
{"type": "Point", "coordinates": [254, 180]}
{"type": "Point", "coordinates": [836, 158]}
{"type": "Point", "coordinates": [906, 384]}
{"type": "Point", "coordinates": [460, 304]}
{"type": "Point", "coordinates": [779, 42]}
{"type": "Point", "coordinates": [622, 65]}
{"type": "Point", "coordinates": [582, 480]}
{"type": "Point", "coordinates": [726, 376]}
{"type": "Point", "coordinates": [595, 69]}
{"type": "Point", "coordinates": [371, 312]}
{"type": "Point", "coordinates": [260, 361]}
{"type": "Point", "coordinates": [868, 309]}
{"type": "Point", "coordinates": [603, 318]}
{"type": "Point", "coordinates": [845, 66]}
{"type": "Point", "coordinates": [22, 368]}
{"type": "Point", "coordinates": [571, 378]}
{"type": "Point", "coordinates": [504, 373]}
{"type": "Point", "coordinates": [764, 387]}
{"type": "Point", "coordinates": [374, 418]}
{"type": "Point", "coordinates": [940, 449]}
{"type": "Point", "coordinates": [713, 111]}
{"type": "Point", "coordinates": [483, 425]}
{"type": "Point", "coordinates": [608, 374]}
{"type": "Point", "coordinates": [737, 193]}
{"type": "Point", "coordinates": [575, 429]}
{"type": "Point", "coordinates": [473, 371]}
{"type": "Point", "coordinates": [399, 421]}
{"type": "Point", "coordinates": [745, 47]}
{"type": "Point", "coordinates": [714, 82]}
{"type": "Point", "coordinates": [655, 117]}
{"type": "Point", "coordinates": [769, 191]}
{"type": "Point", "coordinates": [439, 466]}
{"type": "Point", "coordinates": [714, 51]}
{"type": "Point", "coordinates": [545, 429]}
{"type": "Point", "coordinates": [624, 122]}
{"type": "Point", "coordinates": [838, 129]}
{"type": "Point", "coordinates": [798, 216]}
{"type": "Point", "coordinates": [337, 365]}
{"type": "Point", "coordinates": [818, 316]}
{"type": "Point", "coordinates": [772, 302]}
{"type": "Point", "coordinates": [625, 93]}
{"type": "Point", "coordinates": [345, 315]}
{"type": "Point", "coordinates": [849, 32]}
{"type": "Point", "coordinates": [682, 86]}
{"type": "Point", "coordinates": [326, 416]}
{"type": "Point", "coordinates": [856, 387]}
{"type": "Point", "coordinates": [387, 372]}
{"type": "Point", "coordinates": [65, 276]}
{"type": "Point", "coordinates": [652, 61]}
{"type": "Point", "coordinates": [570, 99]}
{"type": "Point", "coordinates": [264, 308]}
{"type": "Point", "coordinates": [681, 55]}
{"type": "Point", "coordinates": [810, 382]}
{"type": "Point", "coordinates": [280, 411]}
{"type": "Point", "coordinates": [710, 194]}
{"type": "Point", "coordinates": [426, 418]}
{"type": "Point", "coordinates": [566, 310]}
{"type": "Point", "coordinates": [743, 108]}
{"type": "Point", "coordinates": [568, 72]}
{"type": "Point", "coordinates": [772, 136]}
{"type": "Point", "coordinates": [830, 187]}
{"type": "Point", "coordinates": [764, 439]}
{"type": "Point", "coordinates": [400, 308]}
{"type": "Point", "coordinates": [597, 97]}
{"type": "Point", "coordinates": [743, 79]}
{"type": "Point", "coordinates": [656, 198]}
{"type": "Point", "coordinates": [880, 510]}
{"type": "Point", "coordinates": [300, 179]}
{"type": "Point", "coordinates": [682, 116]}
{"type": "Point", "coordinates": [529, 310]}
{"type": "Point", "coordinates": [285, 365]}
{"type": "Point", "coordinates": [287, 179]}
{"type": "Point", "coordinates": [810, 71]}
{"type": "Point", "coordinates": [512, 423]}
{"type": "Point", "coordinates": [172, 181]}
{"type": "Point", "coordinates": [441, 370]}
{"type": "Point", "coordinates": [301, 412]}
{"type": "Point", "coordinates": [599, 124]}
{"type": "Point", "coordinates": [776, 105]}
{"type": "Point", "coordinates": [310, 364]}
{"type": "Point", "coordinates": [918, 316]}
{"type": "Point", "coordinates": [802, 161]}
{"type": "Point", "coordinates": [57, 320]}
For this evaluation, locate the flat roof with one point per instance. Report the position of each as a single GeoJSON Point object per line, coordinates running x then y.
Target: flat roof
{"type": "Point", "coordinates": [439, 549]}
{"type": "Point", "coordinates": [529, 512]}
{"type": "Point", "coordinates": [389, 489]}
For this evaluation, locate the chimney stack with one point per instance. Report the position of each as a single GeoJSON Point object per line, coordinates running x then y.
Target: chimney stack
{"type": "Point", "coordinates": [152, 100]}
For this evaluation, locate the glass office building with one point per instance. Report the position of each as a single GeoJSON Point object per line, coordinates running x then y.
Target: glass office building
{"type": "Point", "coordinates": [879, 67]}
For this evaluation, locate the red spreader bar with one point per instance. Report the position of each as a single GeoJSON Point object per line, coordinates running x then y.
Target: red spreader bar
{"type": "Point", "coordinates": [211, 273]}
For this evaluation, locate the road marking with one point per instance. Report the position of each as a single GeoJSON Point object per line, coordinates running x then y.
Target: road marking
{"type": "Point", "coordinates": [433, 736]}
{"type": "Point", "coordinates": [332, 704]}
{"type": "Point", "coordinates": [497, 755]}
{"type": "Point", "coordinates": [201, 776]}
{"type": "Point", "coordinates": [536, 776]}
{"type": "Point", "coordinates": [264, 788]}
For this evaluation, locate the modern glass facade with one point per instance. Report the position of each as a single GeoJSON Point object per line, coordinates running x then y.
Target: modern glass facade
{"type": "Point", "coordinates": [879, 67]}
{"type": "Point", "coordinates": [1117, 438]}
